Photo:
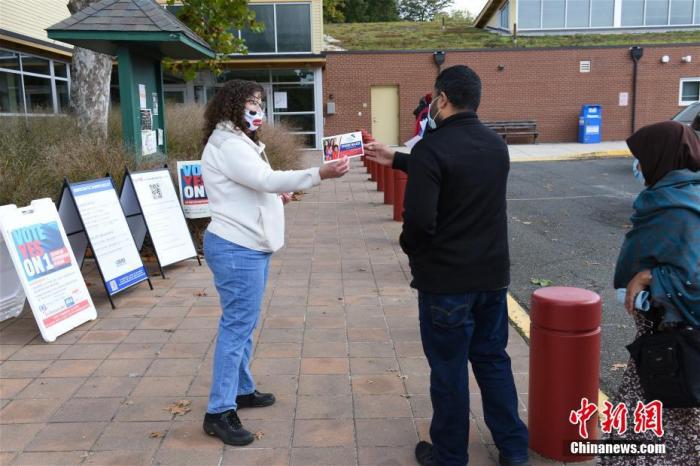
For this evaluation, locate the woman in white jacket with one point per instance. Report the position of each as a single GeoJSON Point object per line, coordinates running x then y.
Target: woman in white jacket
{"type": "Point", "coordinates": [246, 198]}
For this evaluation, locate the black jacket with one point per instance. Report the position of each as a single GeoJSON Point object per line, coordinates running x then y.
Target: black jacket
{"type": "Point", "coordinates": [455, 228]}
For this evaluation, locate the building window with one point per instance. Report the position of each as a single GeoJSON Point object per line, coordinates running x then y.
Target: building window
{"type": "Point", "coordinates": [287, 29]}
{"type": "Point", "coordinates": [660, 12]}
{"type": "Point", "coordinates": [602, 12]}
{"type": "Point", "coordinates": [505, 16]}
{"type": "Point", "coordinates": [682, 11]}
{"type": "Point", "coordinates": [689, 91]}
{"type": "Point", "coordinates": [289, 95]}
{"type": "Point", "coordinates": [565, 14]}
{"type": "Point", "coordinates": [530, 14]}
{"type": "Point", "coordinates": [32, 85]}
{"type": "Point", "coordinates": [576, 14]}
{"type": "Point", "coordinates": [262, 42]}
{"type": "Point", "coordinates": [553, 14]}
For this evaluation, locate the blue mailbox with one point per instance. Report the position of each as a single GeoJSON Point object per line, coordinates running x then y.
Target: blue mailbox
{"type": "Point", "coordinates": [589, 124]}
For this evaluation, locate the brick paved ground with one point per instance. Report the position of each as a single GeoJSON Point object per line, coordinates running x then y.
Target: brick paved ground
{"type": "Point", "coordinates": [337, 342]}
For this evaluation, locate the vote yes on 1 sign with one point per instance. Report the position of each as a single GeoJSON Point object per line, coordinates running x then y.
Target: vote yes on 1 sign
{"type": "Point", "coordinates": [46, 267]}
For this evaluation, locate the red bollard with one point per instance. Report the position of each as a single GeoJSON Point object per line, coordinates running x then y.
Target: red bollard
{"type": "Point", "coordinates": [379, 170]}
{"type": "Point", "coordinates": [388, 185]}
{"type": "Point", "coordinates": [564, 368]}
{"type": "Point", "coordinates": [370, 170]}
{"type": "Point", "coordinates": [400, 179]}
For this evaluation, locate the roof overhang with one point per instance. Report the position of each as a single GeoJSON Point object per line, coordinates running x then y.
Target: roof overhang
{"type": "Point", "coordinates": [491, 7]}
{"type": "Point", "coordinates": [276, 60]}
{"type": "Point", "coordinates": [31, 44]}
{"type": "Point", "coordinates": [166, 44]}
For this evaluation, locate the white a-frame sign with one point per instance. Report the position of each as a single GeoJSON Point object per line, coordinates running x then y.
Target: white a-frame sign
{"type": "Point", "coordinates": [46, 267]}
{"type": "Point", "coordinates": [92, 215]}
{"type": "Point", "coordinates": [151, 206]}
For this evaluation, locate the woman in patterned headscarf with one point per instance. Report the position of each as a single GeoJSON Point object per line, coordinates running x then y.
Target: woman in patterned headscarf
{"type": "Point", "coordinates": [661, 255]}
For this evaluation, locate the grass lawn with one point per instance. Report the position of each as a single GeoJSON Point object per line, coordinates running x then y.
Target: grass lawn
{"type": "Point", "coordinates": [460, 35]}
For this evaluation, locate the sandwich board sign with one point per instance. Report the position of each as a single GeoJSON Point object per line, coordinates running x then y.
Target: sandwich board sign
{"type": "Point", "coordinates": [91, 212]}
{"type": "Point", "coordinates": [12, 297]}
{"type": "Point", "coordinates": [46, 267]}
{"type": "Point", "coordinates": [193, 195]}
{"type": "Point", "coordinates": [150, 203]}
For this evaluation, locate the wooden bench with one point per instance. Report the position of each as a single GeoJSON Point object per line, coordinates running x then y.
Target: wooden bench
{"type": "Point", "coordinates": [514, 128]}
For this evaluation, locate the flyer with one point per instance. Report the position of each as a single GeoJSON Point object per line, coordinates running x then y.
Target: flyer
{"type": "Point", "coordinates": [342, 145]}
{"type": "Point", "coordinates": [109, 234]}
{"type": "Point", "coordinates": [149, 143]}
{"type": "Point", "coordinates": [46, 267]}
{"type": "Point", "coordinates": [193, 195]}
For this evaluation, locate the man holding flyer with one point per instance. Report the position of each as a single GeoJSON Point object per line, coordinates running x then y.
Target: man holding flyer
{"type": "Point", "coordinates": [455, 234]}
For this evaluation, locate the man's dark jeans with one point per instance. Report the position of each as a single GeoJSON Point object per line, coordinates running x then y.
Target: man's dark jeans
{"type": "Point", "coordinates": [474, 327]}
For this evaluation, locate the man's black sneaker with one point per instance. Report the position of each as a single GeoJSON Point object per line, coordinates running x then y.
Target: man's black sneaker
{"type": "Point", "coordinates": [255, 400]}
{"type": "Point", "coordinates": [227, 426]}
{"type": "Point", "coordinates": [503, 461]}
{"type": "Point", "coordinates": [424, 454]}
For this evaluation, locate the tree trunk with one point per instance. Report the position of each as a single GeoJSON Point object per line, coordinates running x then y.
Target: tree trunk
{"type": "Point", "coordinates": [90, 74]}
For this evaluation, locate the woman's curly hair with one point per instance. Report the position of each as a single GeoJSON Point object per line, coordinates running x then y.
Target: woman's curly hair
{"type": "Point", "coordinates": [228, 105]}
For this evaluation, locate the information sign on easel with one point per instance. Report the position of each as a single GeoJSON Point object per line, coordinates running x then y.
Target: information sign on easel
{"type": "Point", "coordinates": [151, 205]}
{"type": "Point", "coordinates": [94, 214]}
{"type": "Point", "coordinates": [46, 267]}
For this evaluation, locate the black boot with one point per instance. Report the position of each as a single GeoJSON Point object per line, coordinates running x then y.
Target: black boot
{"type": "Point", "coordinates": [227, 426]}
{"type": "Point", "coordinates": [255, 400]}
{"type": "Point", "coordinates": [424, 454]}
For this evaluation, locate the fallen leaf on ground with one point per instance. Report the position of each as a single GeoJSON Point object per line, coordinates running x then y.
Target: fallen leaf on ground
{"type": "Point", "coordinates": [200, 293]}
{"type": "Point", "coordinates": [259, 435]}
{"type": "Point", "coordinates": [156, 434]}
{"type": "Point", "coordinates": [618, 366]}
{"type": "Point", "coordinates": [402, 376]}
{"type": "Point", "coordinates": [406, 396]}
{"type": "Point", "coordinates": [179, 408]}
{"type": "Point", "coordinates": [370, 381]}
{"type": "Point", "coordinates": [541, 282]}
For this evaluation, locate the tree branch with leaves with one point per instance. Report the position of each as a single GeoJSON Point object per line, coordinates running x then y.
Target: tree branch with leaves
{"type": "Point", "coordinates": [218, 23]}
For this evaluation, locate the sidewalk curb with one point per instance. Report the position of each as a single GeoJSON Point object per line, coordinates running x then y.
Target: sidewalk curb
{"type": "Point", "coordinates": [520, 320]}
{"type": "Point", "coordinates": [579, 156]}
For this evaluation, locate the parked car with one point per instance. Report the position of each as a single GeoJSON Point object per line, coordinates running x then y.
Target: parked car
{"type": "Point", "coordinates": [688, 114]}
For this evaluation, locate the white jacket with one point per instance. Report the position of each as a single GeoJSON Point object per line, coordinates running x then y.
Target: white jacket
{"type": "Point", "coordinates": [243, 190]}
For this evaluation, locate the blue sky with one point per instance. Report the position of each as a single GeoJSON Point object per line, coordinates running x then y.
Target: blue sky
{"type": "Point", "coordinates": [474, 6]}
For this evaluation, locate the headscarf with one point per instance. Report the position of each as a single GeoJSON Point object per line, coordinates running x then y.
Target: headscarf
{"type": "Point", "coordinates": [664, 147]}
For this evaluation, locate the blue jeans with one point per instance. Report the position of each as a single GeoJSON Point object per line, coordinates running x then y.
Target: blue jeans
{"type": "Point", "coordinates": [474, 327]}
{"type": "Point", "coordinates": [240, 276]}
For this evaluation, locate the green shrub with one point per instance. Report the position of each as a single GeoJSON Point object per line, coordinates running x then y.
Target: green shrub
{"type": "Point", "coordinates": [37, 153]}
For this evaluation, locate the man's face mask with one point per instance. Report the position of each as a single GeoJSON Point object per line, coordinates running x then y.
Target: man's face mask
{"type": "Point", "coordinates": [432, 122]}
{"type": "Point", "coordinates": [637, 172]}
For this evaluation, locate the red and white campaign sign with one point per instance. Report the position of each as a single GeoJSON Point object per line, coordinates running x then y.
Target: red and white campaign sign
{"type": "Point", "coordinates": [46, 267]}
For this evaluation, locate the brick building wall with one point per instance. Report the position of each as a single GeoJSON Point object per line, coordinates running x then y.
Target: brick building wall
{"type": "Point", "coordinates": [541, 84]}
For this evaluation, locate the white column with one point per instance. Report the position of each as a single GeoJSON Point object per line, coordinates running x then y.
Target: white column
{"type": "Point", "coordinates": [318, 101]}
{"type": "Point", "coordinates": [617, 16]}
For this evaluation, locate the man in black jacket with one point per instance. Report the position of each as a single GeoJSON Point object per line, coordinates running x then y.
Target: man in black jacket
{"type": "Point", "coordinates": [455, 233]}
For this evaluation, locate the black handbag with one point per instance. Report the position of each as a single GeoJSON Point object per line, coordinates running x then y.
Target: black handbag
{"type": "Point", "coordinates": [668, 364]}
